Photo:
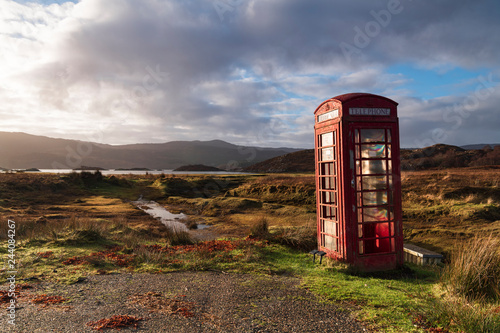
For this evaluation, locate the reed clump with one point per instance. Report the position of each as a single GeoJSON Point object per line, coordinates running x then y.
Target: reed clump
{"type": "Point", "coordinates": [474, 270]}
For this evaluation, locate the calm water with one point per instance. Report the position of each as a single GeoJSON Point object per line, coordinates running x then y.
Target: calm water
{"type": "Point", "coordinates": [170, 220]}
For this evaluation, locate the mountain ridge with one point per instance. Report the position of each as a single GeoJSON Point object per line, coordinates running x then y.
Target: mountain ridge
{"type": "Point", "coordinates": [20, 150]}
{"type": "Point", "coordinates": [439, 156]}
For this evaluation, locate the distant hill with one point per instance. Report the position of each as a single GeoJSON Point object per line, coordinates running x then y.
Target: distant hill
{"type": "Point", "coordinates": [480, 145]}
{"type": "Point", "coordinates": [300, 161]}
{"type": "Point", "coordinates": [197, 167]}
{"type": "Point", "coordinates": [439, 156]}
{"type": "Point", "coordinates": [442, 156]}
{"type": "Point", "coordinates": [21, 151]}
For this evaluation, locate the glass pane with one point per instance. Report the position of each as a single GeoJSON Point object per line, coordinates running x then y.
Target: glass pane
{"type": "Point", "coordinates": [327, 168]}
{"type": "Point", "coordinates": [328, 183]}
{"type": "Point", "coordinates": [376, 230]}
{"type": "Point", "coordinates": [369, 230]}
{"type": "Point", "coordinates": [388, 151]}
{"type": "Point", "coordinates": [375, 214]}
{"type": "Point", "coordinates": [392, 229]}
{"type": "Point", "coordinates": [360, 230]}
{"type": "Point", "coordinates": [356, 136]}
{"type": "Point", "coordinates": [327, 154]}
{"type": "Point", "coordinates": [331, 228]}
{"type": "Point", "coordinates": [328, 197]}
{"type": "Point", "coordinates": [360, 215]}
{"type": "Point", "coordinates": [373, 151]}
{"type": "Point", "coordinates": [322, 169]}
{"type": "Point", "coordinates": [361, 247]}
{"type": "Point", "coordinates": [330, 242]}
{"type": "Point", "coordinates": [388, 135]}
{"type": "Point", "coordinates": [377, 245]}
{"type": "Point", "coordinates": [373, 135]}
{"type": "Point", "coordinates": [374, 167]}
{"type": "Point", "coordinates": [328, 212]}
{"type": "Point", "coordinates": [374, 198]}
{"type": "Point", "coordinates": [374, 182]}
{"type": "Point", "coordinates": [327, 139]}
{"type": "Point", "coordinates": [382, 230]}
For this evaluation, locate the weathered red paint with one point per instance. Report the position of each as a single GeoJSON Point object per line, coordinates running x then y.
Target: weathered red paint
{"type": "Point", "coordinates": [358, 182]}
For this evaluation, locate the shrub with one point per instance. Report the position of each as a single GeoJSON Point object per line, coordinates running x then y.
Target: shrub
{"type": "Point", "coordinates": [179, 238]}
{"type": "Point", "coordinates": [84, 178]}
{"type": "Point", "coordinates": [301, 238]}
{"type": "Point", "coordinates": [260, 230]}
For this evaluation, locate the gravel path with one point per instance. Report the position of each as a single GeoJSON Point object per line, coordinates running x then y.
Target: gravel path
{"type": "Point", "coordinates": [183, 302]}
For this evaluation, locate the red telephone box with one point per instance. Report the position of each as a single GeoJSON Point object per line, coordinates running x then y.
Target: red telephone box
{"type": "Point", "coordinates": [358, 188]}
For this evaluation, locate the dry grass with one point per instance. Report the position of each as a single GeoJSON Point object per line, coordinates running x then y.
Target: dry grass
{"type": "Point", "coordinates": [296, 190]}
{"type": "Point", "coordinates": [470, 301]}
{"type": "Point", "coordinates": [260, 229]}
{"type": "Point", "coordinates": [303, 238]}
{"type": "Point", "coordinates": [443, 208]}
{"type": "Point", "coordinates": [284, 179]}
{"type": "Point", "coordinates": [461, 315]}
{"type": "Point", "coordinates": [474, 270]}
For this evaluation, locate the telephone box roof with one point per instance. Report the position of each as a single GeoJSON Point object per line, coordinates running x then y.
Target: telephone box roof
{"type": "Point", "coordinates": [348, 97]}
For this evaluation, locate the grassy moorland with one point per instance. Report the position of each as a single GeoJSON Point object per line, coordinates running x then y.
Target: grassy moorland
{"type": "Point", "coordinates": [70, 226]}
{"type": "Point", "coordinates": [444, 208]}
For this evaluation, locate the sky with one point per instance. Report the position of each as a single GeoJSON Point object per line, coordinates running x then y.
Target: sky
{"type": "Point", "coordinates": [249, 72]}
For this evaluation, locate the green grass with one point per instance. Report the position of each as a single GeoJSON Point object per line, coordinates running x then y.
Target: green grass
{"type": "Point", "coordinates": [387, 303]}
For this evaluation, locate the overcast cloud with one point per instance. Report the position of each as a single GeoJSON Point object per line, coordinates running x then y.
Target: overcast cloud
{"type": "Point", "coordinates": [246, 71]}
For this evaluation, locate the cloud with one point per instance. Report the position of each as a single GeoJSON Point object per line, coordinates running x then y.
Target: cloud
{"type": "Point", "coordinates": [457, 120]}
{"type": "Point", "coordinates": [250, 73]}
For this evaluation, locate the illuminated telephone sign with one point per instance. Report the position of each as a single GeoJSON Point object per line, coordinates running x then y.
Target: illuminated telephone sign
{"type": "Point", "coordinates": [358, 189]}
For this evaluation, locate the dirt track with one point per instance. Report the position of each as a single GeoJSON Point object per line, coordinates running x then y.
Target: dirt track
{"type": "Point", "coordinates": [183, 302]}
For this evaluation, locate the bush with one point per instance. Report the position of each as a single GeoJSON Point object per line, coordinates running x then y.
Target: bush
{"type": "Point", "coordinates": [302, 238]}
{"type": "Point", "coordinates": [474, 270]}
{"type": "Point", "coordinates": [260, 230]}
{"type": "Point", "coordinates": [84, 178]}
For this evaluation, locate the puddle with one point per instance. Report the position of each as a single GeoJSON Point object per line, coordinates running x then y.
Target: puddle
{"type": "Point", "coordinates": [170, 220]}
{"type": "Point", "coordinates": [157, 211]}
{"type": "Point", "coordinates": [202, 226]}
